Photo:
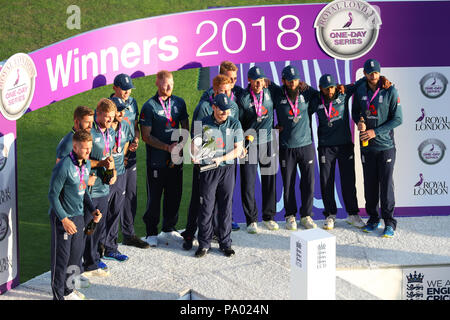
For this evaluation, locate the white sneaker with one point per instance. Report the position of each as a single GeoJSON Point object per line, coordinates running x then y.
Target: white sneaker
{"type": "Point", "coordinates": [291, 223]}
{"type": "Point", "coordinates": [97, 273]}
{"type": "Point", "coordinates": [151, 240]}
{"type": "Point", "coordinates": [82, 282]}
{"type": "Point", "coordinates": [329, 222]}
{"type": "Point", "coordinates": [356, 221]}
{"type": "Point", "coordinates": [271, 225]}
{"type": "Point", "coordinates": [252, 228]}
{"type": "Point", "coordinates": [308, 222]}
{"type": "Point", "coordinates": [75, 295]}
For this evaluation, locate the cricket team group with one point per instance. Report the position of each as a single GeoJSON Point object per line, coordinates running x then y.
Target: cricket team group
{"type": "Point", "coordinates": [260, 129]}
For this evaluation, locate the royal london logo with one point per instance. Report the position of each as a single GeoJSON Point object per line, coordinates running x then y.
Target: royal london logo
{"type": "Point", "coordinates": [431, 123]}
{"type": "Point", "coordinates": [433, 85]}
{"type": "Point", "coordinates": [347, 29]}
{"type": "Point", "coordinates": [431, 151]}
{"type": "Point", "coordinates": [425, 187]}
{"type": "Point", "coordinates": [17, 84]}
{"type": "Point", "coordinates": [414, 286]}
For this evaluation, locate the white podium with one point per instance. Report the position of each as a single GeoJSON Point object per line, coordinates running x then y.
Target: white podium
{"type": "Point", "coordinates": [313, 265]}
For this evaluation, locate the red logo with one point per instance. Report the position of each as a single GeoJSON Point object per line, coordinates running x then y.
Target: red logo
{"type": "Point", "coordinates": [373, 110]}
{"type": "Point", "coordinates": [263, 110]}
{"type": "Point", "coordinates": [335, 113]}
{"type": "Point", "coordinates": [219, 143]}
{"type": "Point", "coordinates": [127, 120]}
{"type": "Point", "coordinates": [82, 185]}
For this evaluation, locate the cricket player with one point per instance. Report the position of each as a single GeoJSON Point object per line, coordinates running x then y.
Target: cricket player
{"type": "Point", "coordinates": [68, 201]}
{"type": "Point", "coordinates": [122, 87]}
{"type": "Point", "coordinates": [377, 111]}
{"type": "Point", "coordinates": [160, 117]}
{"type": "Point", "coordinates": [217, 185]}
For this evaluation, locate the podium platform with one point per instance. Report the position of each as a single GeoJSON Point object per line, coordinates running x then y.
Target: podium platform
{"type": "Point", "coordinates": [368, 267]}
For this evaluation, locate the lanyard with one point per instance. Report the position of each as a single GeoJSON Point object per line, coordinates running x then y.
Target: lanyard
{"type": "Point", "coordinates": [166, 111]}
{"type": "Point", "coordinates": [373, 97]}
{"type": "Point", "coordinates": [294, 107]}
{"type": "Point", "coordinates": [80, 171]}
{"type": "Point", "coordinates": [105, 137]}
{"type": "Point", "coordinates": [327, 112]}
{"type": "Point", "coordinates": [118, 135]}
{"type": "Point", "coordinates": [258, 104]}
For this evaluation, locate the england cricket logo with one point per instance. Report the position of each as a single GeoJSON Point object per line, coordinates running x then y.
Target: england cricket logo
{"type": "Point", "coordinates": [414, 286]}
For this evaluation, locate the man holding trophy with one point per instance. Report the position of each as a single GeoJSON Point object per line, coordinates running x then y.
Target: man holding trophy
{"type": "Point", "coordinates": [220, 143]}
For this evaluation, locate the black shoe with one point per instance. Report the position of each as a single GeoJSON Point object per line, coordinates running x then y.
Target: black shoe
{"type": "Point", "coordinates": [101, 250]}
{"type": "Point", "coordinates": [187, 244]}
{"type": "Point", "coordinates": [228, 252]}
{"type": "Point", "coordinates": [201, 252]}
{"type": "Point", "coordinates": [135, 242]}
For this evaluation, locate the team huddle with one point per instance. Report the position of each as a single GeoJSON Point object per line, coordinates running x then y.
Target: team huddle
{"type": "Point", "coordinates": [93, 185]}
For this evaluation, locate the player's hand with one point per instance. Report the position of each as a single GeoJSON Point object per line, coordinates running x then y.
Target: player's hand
{"type": "Point", "coordinates": [92, 178]}
{"type": "Point", "coordinates": [217, 160]}
{"type": "Point", "coordinates": [171, 146]}
{"type": "Point", "coordinates": [361, 126]}
{"type": "Point", "coordinates": [69, 226]}
{"type": "Point", "coordinates": [280, 128]}
{"type": "Point", "coordinates": [97, 215]}
{"type": "Point", "coordinates": [244, 153]}
{"type": "Point", "coordinates": [385, 83]}
{"type": "Point", "coordinates": [367, 135]}
{"type": "Point", "coordinates": [267, 83]}
{"type": "Point", "coordinates": [113, 179]}
{"type": "Point", "coordinates": [302, 86]}
{"type": "Point", "coordinates": [341, 88]}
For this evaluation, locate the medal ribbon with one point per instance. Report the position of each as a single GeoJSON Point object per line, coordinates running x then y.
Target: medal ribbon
{"type": "Point", "coordinates": [105, 137]}
{"type": "Point", "coordinates": [166, 111]}
{"type": "Point", "coordinates": [118, 136]}
{"type": "Point", "coordinates": [258, 104]}
{"type": "Point", "coordinates": [373, 97]}
{"type": "Point", "coordinates": [327, 112]}
{"type": "Point", "coordinates": [80, 171]}
{"type": "Point", "coordinates": [294, 107]}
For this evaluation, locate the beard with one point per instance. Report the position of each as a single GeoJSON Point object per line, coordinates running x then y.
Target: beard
{"type": "Point", "coordinates": [292, 93]}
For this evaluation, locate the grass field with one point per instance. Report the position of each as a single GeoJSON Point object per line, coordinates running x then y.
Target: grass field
{"type": "Point", "coordinates": [31, 25]}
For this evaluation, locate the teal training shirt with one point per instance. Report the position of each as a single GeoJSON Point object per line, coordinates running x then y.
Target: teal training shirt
{"type": "Point", "coordinates": [249, 117]}
{"type": "Point", "coordinates": [67, 192]}
{"type": "Point", "coordinates": [153, 115]}
{"type": "Point", "coordinates": [382, 114]}
{"type": "Point", "coordinates": [100, 152]}
{"type": "Point", "coordinates": [225, 135]}
{"type": "Point", "coordinates": [295, 134]}
{"type": "Point", "coordinates": [65, 145]}
{"type": "Point", "coordinates": [126, 135]}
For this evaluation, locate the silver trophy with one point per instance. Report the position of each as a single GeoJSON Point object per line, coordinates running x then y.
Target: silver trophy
{"type": "Point", "coordinates": [204, 147]}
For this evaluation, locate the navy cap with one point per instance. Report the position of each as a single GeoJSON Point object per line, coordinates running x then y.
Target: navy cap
{"type": "Point", "coordinates": [123, 81]}
{"type": "Point", "coordinates": [290, 73]}
{"type": "Point", "coordinates": [371, 65]}
{"type": "Point", "coordinates": [120, 104]}
{"type": "Point", "coordinates": [255, 73]}
{"type": "Point", "coordinates": [327, 81]}
{"type": "Point", "coordinates": [222, 101]}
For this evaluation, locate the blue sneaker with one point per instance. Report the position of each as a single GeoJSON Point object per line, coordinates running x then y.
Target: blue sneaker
{"type": "Point", "coordinates": [115, 256]}
{"type": "Point", "coordinates": [234, 226]}
{"type": "Point", "coordinates": [371, 227]}
{"type": "Point", "coordinates": [102, 265]}
{"type": "Point", "coordinates": [388, 232]}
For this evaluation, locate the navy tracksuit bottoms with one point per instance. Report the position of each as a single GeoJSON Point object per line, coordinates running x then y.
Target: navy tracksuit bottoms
{"type": "Point", "coordinates": [378, 169]}
{"type": "Point", "coordinates": [115, 212]}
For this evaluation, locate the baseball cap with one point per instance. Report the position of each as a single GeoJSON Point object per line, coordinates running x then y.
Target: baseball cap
{"type": "Point", "coordinates": [327, 81]}
{"type": "Point", "coordinates": [120, 104]}
{"type": "Point", "coordinates": [222, 101]}
{"type": "Point", "coordinates": [371, 65]}
{"type": "Point", "coordinates": [256, 73]}
{"type": "Point", "coordinates": [123, 81]}
{"type": "Point", "coordinates": [290, 73]}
